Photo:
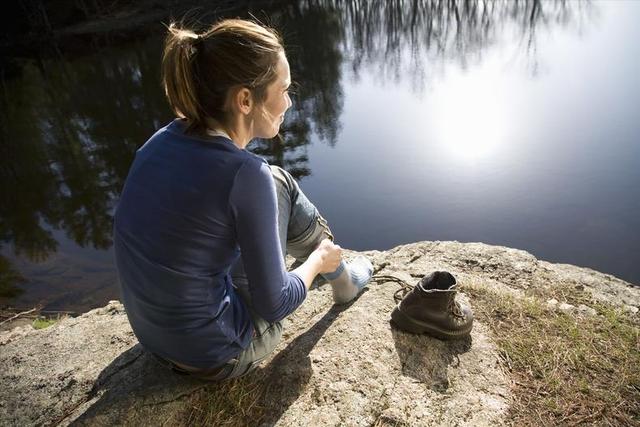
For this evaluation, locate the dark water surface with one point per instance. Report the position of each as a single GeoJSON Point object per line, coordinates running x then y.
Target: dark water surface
{"type": "Point", "coordinates": [514, 124]}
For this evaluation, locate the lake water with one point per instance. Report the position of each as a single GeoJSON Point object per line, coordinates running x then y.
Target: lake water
{"type": "Point", "coordinates": [514, 124]}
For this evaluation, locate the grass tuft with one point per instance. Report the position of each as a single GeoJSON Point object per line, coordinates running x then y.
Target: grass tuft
{"type": "Point", "coordinates": [567, 368]}
{"type": "Point", "coordinates": [233, 403]}
{"type": "Point", "coordinates": [41, 323]}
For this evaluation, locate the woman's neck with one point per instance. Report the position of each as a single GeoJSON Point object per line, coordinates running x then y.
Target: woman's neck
{"type": "Point", "coordinates": [238, 132]}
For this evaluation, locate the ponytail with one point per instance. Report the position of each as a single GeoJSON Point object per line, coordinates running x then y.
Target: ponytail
{"type": "Point", "coordinates": [179, 72]}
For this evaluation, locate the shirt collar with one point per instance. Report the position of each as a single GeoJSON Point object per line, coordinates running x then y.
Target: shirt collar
{"type": "Point", "coordinates": [217, 132]}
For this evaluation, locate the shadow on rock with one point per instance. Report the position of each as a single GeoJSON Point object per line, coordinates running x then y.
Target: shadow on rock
{"type": "Point", "coordinates": [290, 370]}
{"type": "Point", "coordinates": [428, 359]}
{"type": "Point", "coordinates": [135, 388]}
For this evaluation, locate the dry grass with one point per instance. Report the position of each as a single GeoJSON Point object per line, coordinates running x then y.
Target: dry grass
{"type": "Point", "coordinates": [566, 368]}
{"type": "Point", "coordinates": [234, 403]}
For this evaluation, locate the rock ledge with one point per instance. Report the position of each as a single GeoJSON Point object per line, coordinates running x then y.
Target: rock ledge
{"type": "Point", "coordinates": [336, 365]}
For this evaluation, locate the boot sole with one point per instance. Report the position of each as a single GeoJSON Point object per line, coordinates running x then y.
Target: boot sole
{"type": "Point", "coordinates": [409, 324]}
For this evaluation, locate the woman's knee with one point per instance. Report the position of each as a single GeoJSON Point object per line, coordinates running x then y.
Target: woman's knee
{"type": "Point", "coordinates": [300, 247]}
{"type": "Point", "coordinates": [306, 227]}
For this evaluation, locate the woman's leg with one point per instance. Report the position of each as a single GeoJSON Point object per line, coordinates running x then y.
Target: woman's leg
{"type": "Point", "coordinates": [300, 225]}
{"type": "Point", "coordinates": [305, 228]}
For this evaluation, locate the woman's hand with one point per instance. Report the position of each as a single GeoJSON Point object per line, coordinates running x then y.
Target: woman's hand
{"type": "Point", "coordinates": [324, 259]}
{"type": "Point", "coordinates": [328, 255]}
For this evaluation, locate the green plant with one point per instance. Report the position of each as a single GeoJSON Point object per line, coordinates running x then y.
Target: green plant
{"type": "Point", "coordinates": [41, 323]}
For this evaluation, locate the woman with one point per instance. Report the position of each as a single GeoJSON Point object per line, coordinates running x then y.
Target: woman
{"type": "Point", "coordinates": [203, 226]}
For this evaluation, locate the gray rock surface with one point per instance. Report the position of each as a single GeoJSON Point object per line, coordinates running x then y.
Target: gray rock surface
{"type": "Point", "coordinates": [337, 365]}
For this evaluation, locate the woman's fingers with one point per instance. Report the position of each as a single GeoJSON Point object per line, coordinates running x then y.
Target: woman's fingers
{"type": "Point", "coordinates": [330, 254]}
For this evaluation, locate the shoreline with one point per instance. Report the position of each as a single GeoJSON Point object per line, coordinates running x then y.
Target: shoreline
{"type": "Point", "coordinates": [33, 313]}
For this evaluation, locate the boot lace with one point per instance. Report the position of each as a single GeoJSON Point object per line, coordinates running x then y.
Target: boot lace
{"type": "Point", "coordinates": [453, 307]}
{"type": "Point", "coordinates": [399, 294]}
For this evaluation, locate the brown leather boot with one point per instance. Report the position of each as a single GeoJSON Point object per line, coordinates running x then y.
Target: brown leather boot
{"type": "Point", "coordinates": [430, 307]}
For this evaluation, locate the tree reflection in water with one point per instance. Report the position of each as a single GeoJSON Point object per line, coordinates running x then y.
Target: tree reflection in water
{"type": "Point", "coordinates": [70, 125]}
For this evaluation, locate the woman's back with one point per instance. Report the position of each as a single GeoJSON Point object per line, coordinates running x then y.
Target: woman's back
{"type": "Point", "coordinates": [175, 242]}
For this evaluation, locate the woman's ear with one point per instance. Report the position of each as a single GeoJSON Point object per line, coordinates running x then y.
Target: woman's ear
{"type": "Point", "coordinates": [242, 101]}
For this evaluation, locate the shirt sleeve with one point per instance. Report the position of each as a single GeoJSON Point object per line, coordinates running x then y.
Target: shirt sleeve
{"type": "Point", "coordinates": [275, 293]}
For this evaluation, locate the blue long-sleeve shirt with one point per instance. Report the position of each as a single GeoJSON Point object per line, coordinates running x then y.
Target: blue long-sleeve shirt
{"type": "Point", "coordinates": [190, 206]}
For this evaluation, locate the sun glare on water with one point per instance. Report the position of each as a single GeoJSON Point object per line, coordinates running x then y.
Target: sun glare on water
{"type": "Point", "coordinates": [468, 120]}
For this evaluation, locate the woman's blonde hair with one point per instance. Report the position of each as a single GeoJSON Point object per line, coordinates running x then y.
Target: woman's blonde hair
{"type": "Point", "coordinates": [199, 69]}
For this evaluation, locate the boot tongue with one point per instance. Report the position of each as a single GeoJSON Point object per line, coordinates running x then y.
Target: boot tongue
{"type": "Point", "coordinates": [442, 280]}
